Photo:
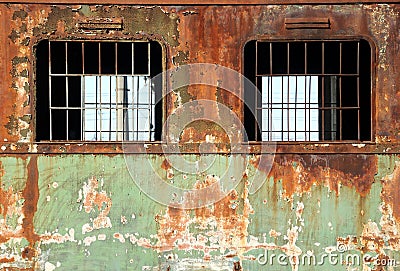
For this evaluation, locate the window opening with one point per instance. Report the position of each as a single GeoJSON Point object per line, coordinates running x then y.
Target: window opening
{"type": "Point", "coordinates": [308, 90]}
{"type": "Point", "coordinates": [101, 91]}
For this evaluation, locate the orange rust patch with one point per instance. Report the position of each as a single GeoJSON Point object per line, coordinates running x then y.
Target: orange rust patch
{"type": "Point", "coordinates": [165, 164]}
{"type": "Point", "coordinates": [95, 198]}
{"type": "Point", "coordinates": [204, 131]}
{"type": "Point", "coordinates": [8, 96]}
{"type": "Point", "coordinates": [230, 225]}
{"type": "Point", "coordinates": [31, 196]}
{"type": "Point", "coordinates": [28, 253]}
{"type": "Point", "coordinates": [300, 172]}
{"type": "Point", "coordinates": [172, 226]}
{"type": "Point", "coordinates": [7, 199]}
{"type": "Point", "coordinates": [7, 260]}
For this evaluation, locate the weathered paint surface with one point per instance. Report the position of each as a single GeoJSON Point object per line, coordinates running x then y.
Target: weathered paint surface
{"type": "Point", "coordinates": [91, 215]}
{"type": "Point", "coordinates": [69, 205]}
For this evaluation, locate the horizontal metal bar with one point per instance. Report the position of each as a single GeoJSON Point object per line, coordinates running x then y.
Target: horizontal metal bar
{"type": "Point", "coordinates": [100, 74]}
{"type": "Point", "coordinates": [306, 74]}
{"type": "Point", "coordinates": [137, 147]}
{"type": "Point", "coordinates": [101, 23]}
{"type": "Point", "coordinates": [205, 2]}
{"type": "Point", "coordinates": [303, 23]}
{"type": "Point", "coordinates": [308, 108]}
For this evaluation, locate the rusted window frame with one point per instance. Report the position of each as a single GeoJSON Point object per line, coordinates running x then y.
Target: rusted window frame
{"type": "Point", "coordinates": [99, 41]}
{"type": "Point", "coordinates": [288, 144]}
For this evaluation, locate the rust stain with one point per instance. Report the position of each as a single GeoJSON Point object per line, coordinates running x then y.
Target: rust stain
{"type": "Point", "coordinates": [237, 266]}
{"type": "Point", "coordinates": [212, 28]}
{"type": "Point", "coordinates": [7, 97]}
{"type": "Point", "coordinates": [31, 196]}
{"type": "Point", "coordinates": [172, 227]}
{"type": "Point", "coordinates": [204, 131]}
{"type": "Point", "coordinates": [7, 260]}
{"type": "Point", "coordinates": [8, 200]}
{"type": "Point", "coordinates": [223, 219]}
{"type": "Point", "coordinates": [168, 168]}
{"type": "Point", "coordinates": [300, 172]}
{"type": "Point", "coordinates": [165, 164]}
{"type": "Point", "coordinates": [92, 198]}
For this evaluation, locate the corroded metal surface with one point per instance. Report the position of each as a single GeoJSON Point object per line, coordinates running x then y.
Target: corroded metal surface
{"type": "Point", "coordinates": [209, 27]}
{"type": "Point", "coordinates": [204, 2]}
{"type": "Point", "coordinates": [102, 212]}
{"type": "Point", "coordinates": [75, 205]}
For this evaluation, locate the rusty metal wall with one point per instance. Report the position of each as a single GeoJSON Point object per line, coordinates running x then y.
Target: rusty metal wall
{"type": "Point", "coordinates": [78, 205]}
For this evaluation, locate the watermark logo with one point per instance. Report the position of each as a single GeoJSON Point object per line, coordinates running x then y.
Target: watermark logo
{"type": "Point", "coordinates": [342, 254]}
{"type": "Point", "coordinates": [151, 180]}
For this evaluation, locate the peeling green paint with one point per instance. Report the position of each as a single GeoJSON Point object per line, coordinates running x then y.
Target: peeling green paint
{"type": "Point", "coordinates": [61, 219]}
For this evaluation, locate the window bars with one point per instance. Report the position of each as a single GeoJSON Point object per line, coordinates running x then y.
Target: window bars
{"type": "Point", "coordinates": [308, 90]}
{"type": "Point", "coordinates": [99, 91]}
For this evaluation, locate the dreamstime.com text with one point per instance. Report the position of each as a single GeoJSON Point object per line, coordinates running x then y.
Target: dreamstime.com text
{"type": "Point", "coordinates": [337, 257]}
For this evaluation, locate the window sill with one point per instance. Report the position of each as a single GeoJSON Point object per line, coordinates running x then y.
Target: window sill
{"type": "Point", "coordinates": [75, 147]}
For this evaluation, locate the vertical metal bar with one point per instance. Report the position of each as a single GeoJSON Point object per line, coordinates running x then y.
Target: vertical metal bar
{"type": "Point", "coordinates": [288, 86]}
{"type": "Point", "coordinates": [83, 106]}
{"type": "Point", "coordinates": [305, 58]}
{"type": "Point", "coordinates": [96, 108]}
{"type": "Point", "coordinates": [83, 119]}
{"type": "Point", "coordinates": [66, 88]}
{"type": "Point", "coordinates": [323, 93]}
{"type": "Point", "coordinates": [110, 94]}
{"type": "Point", "coordinates": [257, 119]}
{"type": "Point", "coordinates": [305, 109]}
{"type": "Point", "coordinates": [309, 109]}
{"type": "Point", "coordinates": [133, 91]}
{"type": "Point", "coordinates": [100, 111]}
{"type": "Point", "coordinates": [150, 92]}
{"type": "Point", "coordinates": [120, 88]}
{"type": "Point", "coordinates": [50, 109]}
{"type": "Point", "coordinates": [150, 100]}
{"type": "Point", "coordinates": [125, 110]}
{"type": "Point", "coordinates": [295, 112]}
{"type": "Point", "coordinates": [137, 111]}
{"type": "Point", "coordinates": [148, 58]}
{"type": "Point", "coordinates": [358, 92]}
{"type": "Point", "coordinates": [117, 90]}
{"type": "Point", "coordinates": [270, 90]}
{"type": "Point", "coordinates": [340, 90]}
{"type": "Point", "coordinates": [269, 109]}
{"type": "Point", "coordinates": [282, 108]}
{"type": "Point", "coordinates": [132, 108]}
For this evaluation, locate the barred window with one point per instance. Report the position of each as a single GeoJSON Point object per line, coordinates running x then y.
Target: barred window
{"type": "Point", "coordinates": [98, 90]}
{"type": "Point", "coordinates": [308, 90]}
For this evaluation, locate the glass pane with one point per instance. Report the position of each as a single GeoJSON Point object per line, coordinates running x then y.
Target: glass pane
{"type": "Point", "coordinates": [90, 88]}
{"type": "Point", "coordinates": [292, 109]}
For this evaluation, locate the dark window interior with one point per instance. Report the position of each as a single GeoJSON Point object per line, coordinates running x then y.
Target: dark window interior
{"type": "Point", "coordinates": [308, 90]}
